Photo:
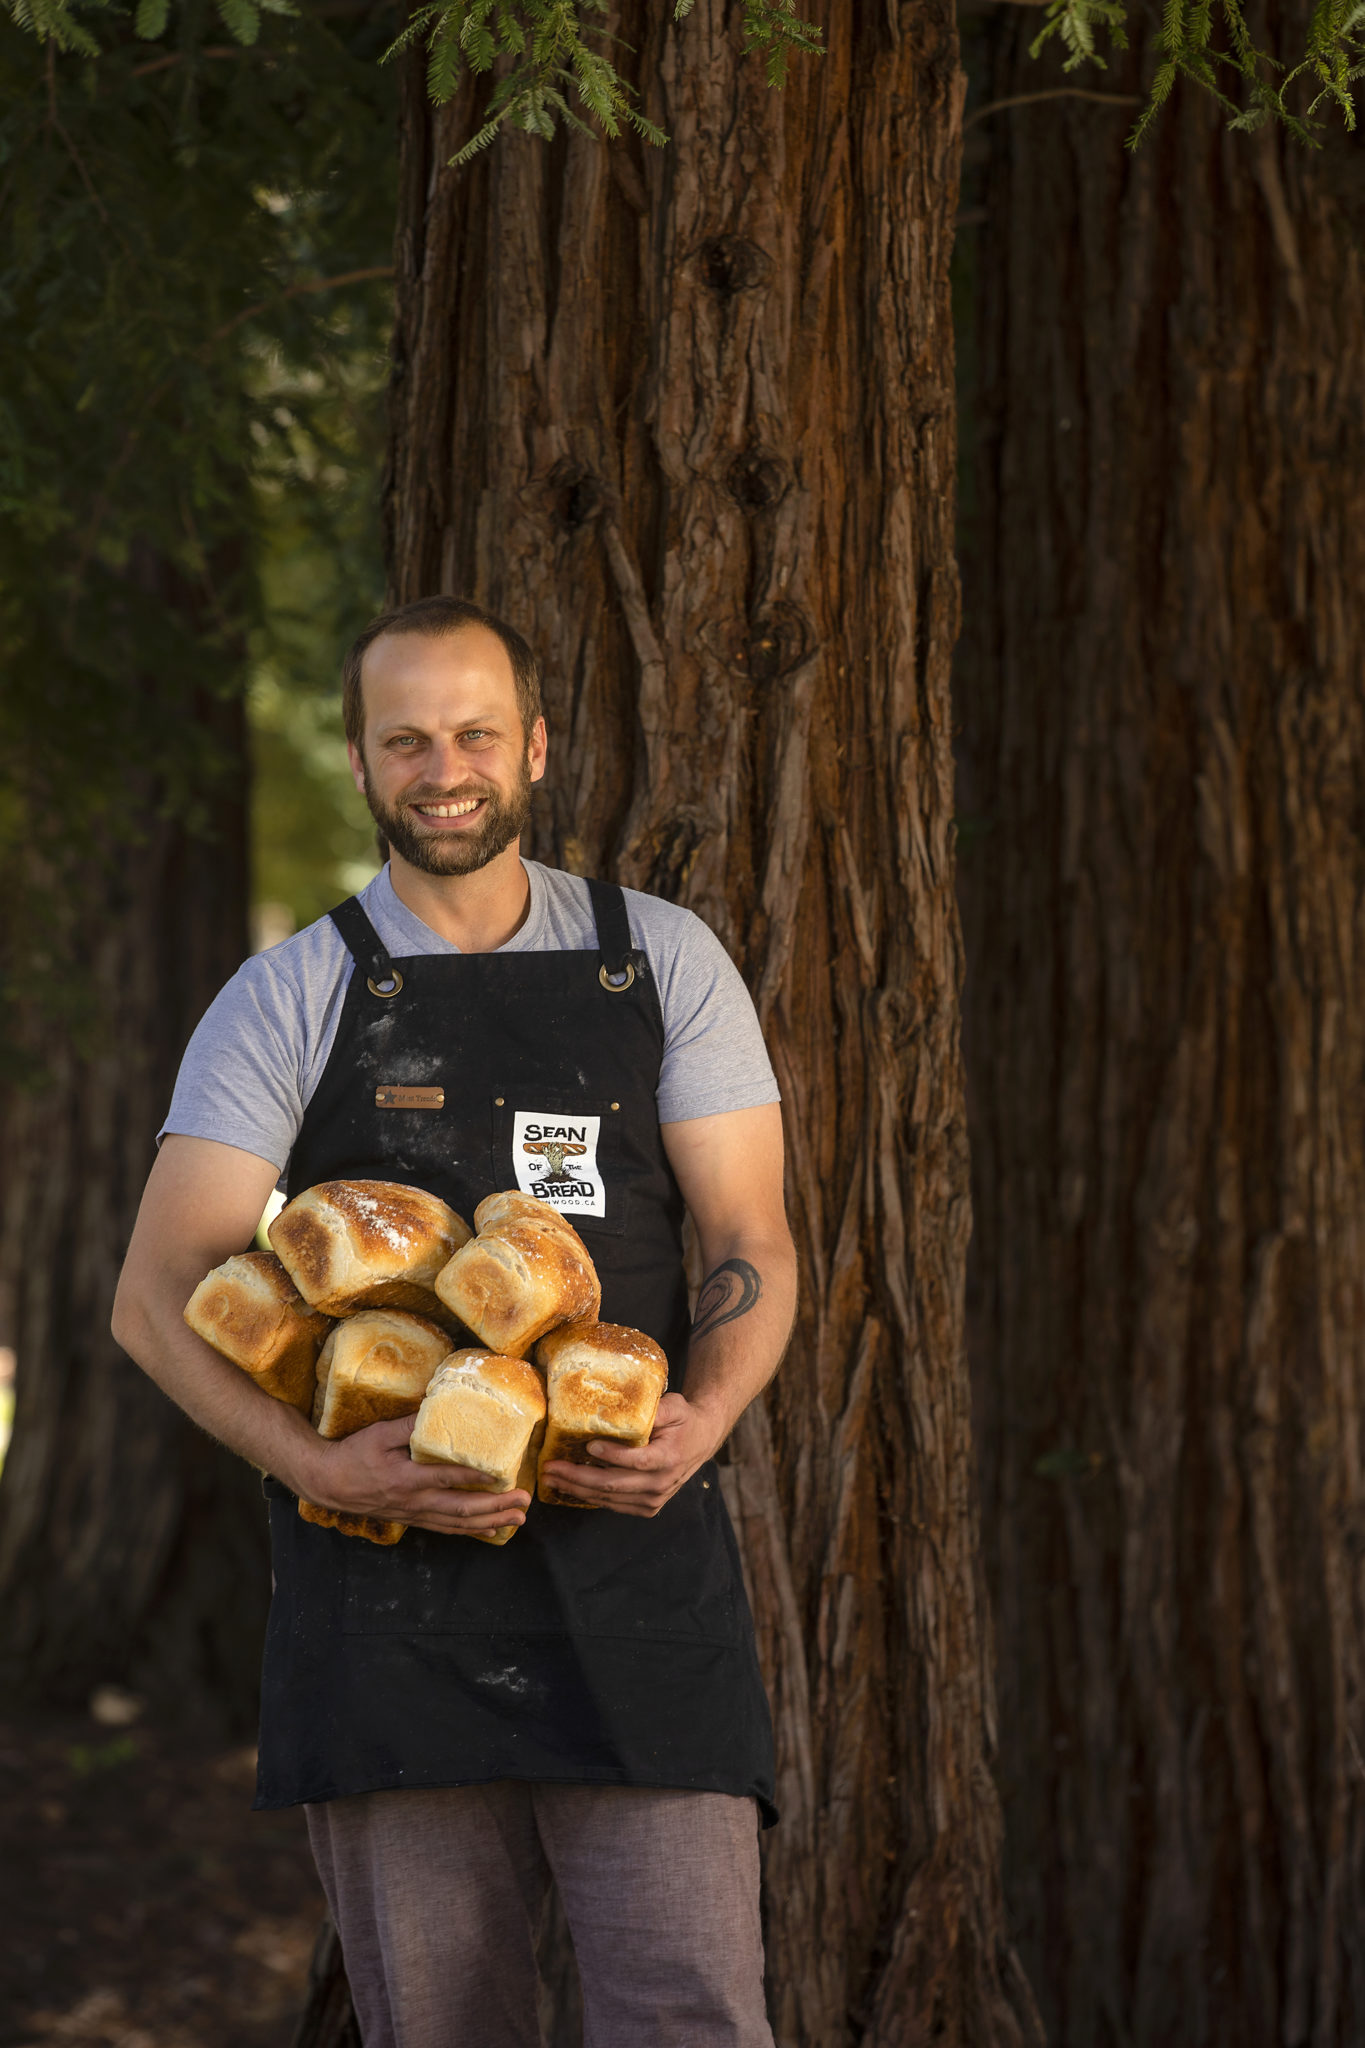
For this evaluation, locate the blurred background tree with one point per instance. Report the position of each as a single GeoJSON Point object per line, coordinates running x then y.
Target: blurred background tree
{"type": "Point", "coordinates": [195, 264]}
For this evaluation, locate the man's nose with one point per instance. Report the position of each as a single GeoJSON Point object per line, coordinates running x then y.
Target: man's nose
{"type": "Point", "coordinates": [445, 765]}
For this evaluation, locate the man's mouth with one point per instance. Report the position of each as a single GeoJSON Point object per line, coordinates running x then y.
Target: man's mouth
{"type": "Point", "coordinates": [462, 809]}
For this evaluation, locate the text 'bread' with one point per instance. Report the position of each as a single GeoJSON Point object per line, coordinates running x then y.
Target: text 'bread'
{"type": "Point", "coordinates": [603, 1382]}
{"type": "Point", "coordinates": [350, 1244]}
{"type": "Point", "coordinates": [250, 1311]}
{"type": "Point", "coordinates": [525, 1273]}
{"type": "Point", "coordinates": [486, 1413]}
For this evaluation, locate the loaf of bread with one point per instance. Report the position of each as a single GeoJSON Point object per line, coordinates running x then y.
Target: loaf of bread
{"type": "Point", "coordinates": [525, 1273]}
{"type": "Point", "coordinates": [376, 1364]}
{"type": "Point", "coordinates": [250, 1310]}
{"type": "Point", "coordinates": [602, 1382]}
{"type": "Point", "coordinates": [350, 1244]}
{"type": "Point", "coordinates": [368, 1526]}
{"type": "Point", "coordinates": [487, 1413]}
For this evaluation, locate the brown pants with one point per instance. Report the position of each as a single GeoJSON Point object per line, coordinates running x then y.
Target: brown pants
{"type": "Point", "coordinates": [438, 1896]}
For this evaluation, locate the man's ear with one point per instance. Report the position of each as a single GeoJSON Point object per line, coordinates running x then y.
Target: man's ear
{"type": "Point", "coordinates": [536, 749]}
{"type": "Point", "coordinates": [357, 765]}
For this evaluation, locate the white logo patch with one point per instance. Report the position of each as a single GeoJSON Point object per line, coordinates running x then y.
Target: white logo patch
{"type": "Point", "coordinates": [556, 1161]}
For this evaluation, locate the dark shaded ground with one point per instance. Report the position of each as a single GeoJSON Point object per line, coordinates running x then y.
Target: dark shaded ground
{"type": "Point", "coordinates": [143, 1905]}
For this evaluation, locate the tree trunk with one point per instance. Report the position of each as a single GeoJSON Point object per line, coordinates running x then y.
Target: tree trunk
{"type": "Point", "coordinates": [687, 417]}
{"type": "Point", "coordinates": [131, 1547]}
{"type": "Point", "coordinates": [1162, 764]}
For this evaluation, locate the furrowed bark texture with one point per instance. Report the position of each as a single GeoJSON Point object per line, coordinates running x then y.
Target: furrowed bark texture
{"type": "Point", "coordinates": [686, 415]}
{"type": "Point", "coordinates": [1162, 715]}
{"type": "Point", "coordinates": [131, 1547]}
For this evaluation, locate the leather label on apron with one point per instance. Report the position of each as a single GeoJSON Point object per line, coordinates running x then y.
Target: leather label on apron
{"type": "Point", "coordinates": [555, 1157]}
{"type": "Point", "coordinates": [390, 1095]}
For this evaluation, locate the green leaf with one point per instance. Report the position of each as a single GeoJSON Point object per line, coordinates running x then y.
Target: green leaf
{"type": "Point", "coordinates": [150, 20]}
{"type": "Point", "coordinates": [242, 19]}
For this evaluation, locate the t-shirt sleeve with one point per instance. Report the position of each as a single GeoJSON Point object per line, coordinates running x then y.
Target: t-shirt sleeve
{"type": "Point", "coordinates": [714, 1056]}
{"type": "Point", "coordinates": [241, 1079]}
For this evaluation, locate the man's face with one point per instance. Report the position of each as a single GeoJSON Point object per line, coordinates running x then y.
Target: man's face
{"type": "Point", "coordinates": [446, 769]}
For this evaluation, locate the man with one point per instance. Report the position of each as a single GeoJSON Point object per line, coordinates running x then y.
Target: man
{"type": "Point", "coordinates": [463, 1720]}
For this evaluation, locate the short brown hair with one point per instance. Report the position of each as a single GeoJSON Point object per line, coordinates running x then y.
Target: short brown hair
{"type": "Point", "coordinates": [433, 618]}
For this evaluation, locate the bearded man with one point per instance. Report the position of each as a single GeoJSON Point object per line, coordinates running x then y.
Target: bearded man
{"type": "Point", "coordinates": [465, 1723]}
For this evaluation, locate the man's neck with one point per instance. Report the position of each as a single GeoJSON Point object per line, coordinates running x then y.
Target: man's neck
{"type": "Point", "coordinates": [478, 912]}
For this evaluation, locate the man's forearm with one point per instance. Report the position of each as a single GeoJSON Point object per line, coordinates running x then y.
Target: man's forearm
{"type": "Point", "coordinates": [741, 1326]}
{"type": "Point", "coordinates": [212, 1392]}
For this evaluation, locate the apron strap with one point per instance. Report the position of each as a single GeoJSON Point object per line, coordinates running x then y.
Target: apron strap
{"type": "Point", "coordinates": [613, 932]}
{"type": "Point", "coordinates": [366, 948]}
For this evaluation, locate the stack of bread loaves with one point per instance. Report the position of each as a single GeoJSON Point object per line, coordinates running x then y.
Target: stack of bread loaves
{"type": "Point", "coordinates": [350, 1318]}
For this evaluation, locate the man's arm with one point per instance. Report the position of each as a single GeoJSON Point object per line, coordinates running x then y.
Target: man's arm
{"type": "Point", "coordinates": [202, 1203]}
{"type": "Point", "coordinates": [729, 1168]}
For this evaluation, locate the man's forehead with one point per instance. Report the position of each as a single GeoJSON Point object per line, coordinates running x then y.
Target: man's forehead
{"type": "Point", "coordinates": [453, 674]}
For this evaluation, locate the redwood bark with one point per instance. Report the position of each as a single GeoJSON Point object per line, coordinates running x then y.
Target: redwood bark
{"type": "Point", "coordinates": [686, 416]}
{"type": "Point", "coordinates": [131, 1547]}
{"type": "Point", "coordinates": [1161, 706]}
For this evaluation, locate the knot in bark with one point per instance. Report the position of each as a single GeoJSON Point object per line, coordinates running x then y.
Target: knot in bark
{"type": "Point", "coordinates": [758, 478]}
{"type": "Point", "coordinates": [730, 264]}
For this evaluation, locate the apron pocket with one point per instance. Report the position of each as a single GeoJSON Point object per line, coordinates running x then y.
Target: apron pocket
{"type": "Point", "coordinates": [566, 1151]}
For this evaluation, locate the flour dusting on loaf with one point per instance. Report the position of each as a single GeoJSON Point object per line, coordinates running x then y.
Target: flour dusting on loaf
{"type": "Point", "coordinates": [350, 1244]}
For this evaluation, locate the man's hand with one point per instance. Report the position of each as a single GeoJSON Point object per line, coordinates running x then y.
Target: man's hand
{"type": "Point", "coordinates": [371, 1473]}
{"type": "Point", "coordinates": [641, 1482]}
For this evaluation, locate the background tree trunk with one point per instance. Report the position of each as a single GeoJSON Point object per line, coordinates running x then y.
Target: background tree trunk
{"type": "Point", "coordinates": [131, 1547]}
{"type": "Point", "coordinates": [1160, 698]}
{"type": "Point", "coordinates": [687, 417]}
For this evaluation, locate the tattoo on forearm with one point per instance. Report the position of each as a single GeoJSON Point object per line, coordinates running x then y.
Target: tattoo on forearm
{"type": "Point", "coordinates": [730, 1291]}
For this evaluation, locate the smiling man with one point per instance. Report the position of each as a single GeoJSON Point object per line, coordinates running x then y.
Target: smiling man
{"type": "Point", "coordinates": [464, 1722]}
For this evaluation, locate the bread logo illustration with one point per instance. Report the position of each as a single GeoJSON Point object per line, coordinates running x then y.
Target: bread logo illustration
{"type": "Point", "coordinates": [555, 1159]}
{"type": "Point", "coordinates": [555, 1153]}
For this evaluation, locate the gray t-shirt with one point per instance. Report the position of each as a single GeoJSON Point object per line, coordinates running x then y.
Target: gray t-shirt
{"type": "Point", "coordinates": [260, 1049]}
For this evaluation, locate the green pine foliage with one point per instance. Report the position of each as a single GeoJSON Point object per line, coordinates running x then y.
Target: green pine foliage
{"type": "Point", "coordinates": [552, 68]}
{"type": "Point", "coordinates": [1213, 46]}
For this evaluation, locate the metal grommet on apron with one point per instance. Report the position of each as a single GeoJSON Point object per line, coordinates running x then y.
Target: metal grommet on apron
{"type": "Point", "coordinates": [594, 1648]}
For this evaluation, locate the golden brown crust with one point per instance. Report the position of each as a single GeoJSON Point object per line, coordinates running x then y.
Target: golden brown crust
{"type": "Point", "coordinates": [368, 1526]}
{"type": "Point", "coordinates": [512, 1206]}
{"type": "Point", "coordinates": [604, 1383]}
{"type": "Point", "coordinates": [375, 1365]}
{"type": "Point", "coordinates": [250, 1311]}
{"type": "Point", "coordinates": [525, 1274]}
{"type": "Point", "coordinates": [367, 1244]}
{"type": "Point", "coordinates": [607, 1340]}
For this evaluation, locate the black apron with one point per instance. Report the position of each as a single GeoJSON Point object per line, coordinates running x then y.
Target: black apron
{"type": "Point", "coordinates": [594, 1648]}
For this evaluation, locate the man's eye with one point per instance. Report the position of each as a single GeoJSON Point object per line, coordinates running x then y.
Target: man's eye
{"type": "Point", "coordinates": [478, 733]}
{"type": "Point", "coordinates": [403, 739]}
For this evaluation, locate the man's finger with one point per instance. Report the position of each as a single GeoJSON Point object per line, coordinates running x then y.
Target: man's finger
{"type": "Point", "coordinates": [587, 1484]}
{"type": "Point", "coordinates": [647, 1458]}
{"type": "Point", "coordinates": [441, 1525]}
{"type": "Point", "coordinates": [458, 1479]}
{"type": "Point", "coordinates": [464, 1507]}
{"type": "Point", "coordinates": [387, 1435]}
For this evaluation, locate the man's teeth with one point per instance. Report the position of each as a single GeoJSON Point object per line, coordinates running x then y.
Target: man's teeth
{"type": "Point", "coordinates": [450, 810]}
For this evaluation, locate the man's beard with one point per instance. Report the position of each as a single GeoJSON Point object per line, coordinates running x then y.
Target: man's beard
{"type": "Point", "coordinates": [503, 819]}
